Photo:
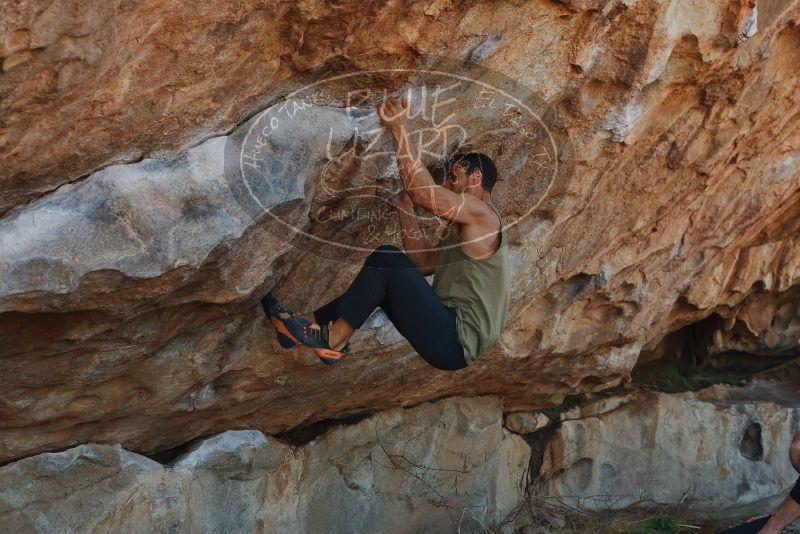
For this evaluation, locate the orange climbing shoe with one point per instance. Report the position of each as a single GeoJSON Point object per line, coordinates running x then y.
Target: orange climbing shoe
{"type": "Point", "coordinates": [316, 336]}
{"type": "Point", "coordinates": [273, 309]}
{"type": "Point", "coordinates": [292, 330]}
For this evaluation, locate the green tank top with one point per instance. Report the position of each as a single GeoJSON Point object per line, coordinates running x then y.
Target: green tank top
{"type": "Point", "coordinates": [479, 290]}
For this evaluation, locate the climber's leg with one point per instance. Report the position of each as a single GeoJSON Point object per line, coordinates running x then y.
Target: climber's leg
{"type": "Point", "coordinates": [328, 312]}
{"type": "Point", "coordinates": [390, 280]}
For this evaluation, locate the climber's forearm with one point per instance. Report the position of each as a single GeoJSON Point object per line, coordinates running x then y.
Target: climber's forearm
{"type": "Point", "coordinates": [425, 193]}
{"type": "Point", "coordinates": [416, 178]}
{"type": "Point", "coordinates": [786, 512]}
{"type": "Point", "coordinates": [416, 245]}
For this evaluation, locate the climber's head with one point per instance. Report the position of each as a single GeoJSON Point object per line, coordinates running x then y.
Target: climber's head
{"type": "Point", "coordinates": [470, 172]}
{"type": "Point", "coordinates": [794, 452]}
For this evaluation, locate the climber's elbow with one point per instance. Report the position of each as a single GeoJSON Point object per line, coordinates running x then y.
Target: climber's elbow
{"type": "Point", "coordinates": [421, 197]}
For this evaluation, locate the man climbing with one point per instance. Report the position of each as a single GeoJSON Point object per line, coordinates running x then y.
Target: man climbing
{"type": "Point", "coordinates": [450, 323]}
{"type": "Point", "coordinates": [786, 512]}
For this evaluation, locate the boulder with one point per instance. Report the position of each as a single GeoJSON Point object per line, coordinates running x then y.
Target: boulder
{"type": "Point", "coordinates": [718, 451]}
{"type": "Point", "coordinates": [648, 155]}
{"type": "Point", "coordinates": [447, 466]}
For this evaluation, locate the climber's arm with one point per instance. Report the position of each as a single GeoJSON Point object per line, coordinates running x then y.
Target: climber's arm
{"type": "Point", "coordinates": [418, 182]}
{"type": "Point", "coordinates": [786, 512]}
{"type": "Point", "coordinates": [425, 193]}
{"type": "Point", "coordinates": [416, 244]}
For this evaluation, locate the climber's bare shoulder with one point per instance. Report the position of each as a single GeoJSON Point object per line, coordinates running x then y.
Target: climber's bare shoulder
{"type": "Point", "coordinates": [475, 224]}
{"type": "Point", "coordinates": [479, 240]}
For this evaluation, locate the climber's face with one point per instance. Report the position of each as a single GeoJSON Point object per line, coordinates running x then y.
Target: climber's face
{"type": "Point", "coordinates": [457, 180]}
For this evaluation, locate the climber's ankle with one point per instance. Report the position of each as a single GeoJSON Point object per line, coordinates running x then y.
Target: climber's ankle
{"type": "Point", "coordinates": [338, 334]}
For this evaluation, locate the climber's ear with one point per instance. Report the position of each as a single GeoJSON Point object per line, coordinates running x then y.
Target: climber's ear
{"type": "Point", "coordinates": [476, 177]}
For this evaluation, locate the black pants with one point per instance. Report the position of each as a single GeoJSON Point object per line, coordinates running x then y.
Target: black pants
{"type": "Point", "coordinates": [390, 280]}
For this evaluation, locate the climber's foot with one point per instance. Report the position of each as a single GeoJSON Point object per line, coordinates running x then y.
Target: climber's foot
{"type": "Point", "coordinates": [311, 318]}
{"type": "Point", "coordinates": [316, 336]}
{"type": "Point", "coordinates": [278, 315]}
{"type": "Point", "coordinates": [292, 330]}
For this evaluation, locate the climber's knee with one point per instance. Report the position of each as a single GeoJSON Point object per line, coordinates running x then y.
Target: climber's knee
{"type": "Point", "coordinates": [385, 256]}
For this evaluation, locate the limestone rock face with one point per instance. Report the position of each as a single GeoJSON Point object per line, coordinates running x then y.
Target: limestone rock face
{"type": "Point", "coordinates": [705, 451]}
{"type": "Point", "coordinates": [659, 190]}
{"type": "Point", "coordinates": [443, 467]}
{"type": "Point", "coordinates": [447, 466]}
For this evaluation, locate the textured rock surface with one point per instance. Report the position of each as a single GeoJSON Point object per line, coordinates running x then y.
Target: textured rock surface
{"type": "Point", "coordinates": [529, 422]}
{"type": "Point", "coordinates": [447, 466]}
{"type": "Point", "coordinates": [709, 450]}
{"type": "Point", "coordinates": [438, 467]}
{"type": "Point", "coordinates": [128, 293]}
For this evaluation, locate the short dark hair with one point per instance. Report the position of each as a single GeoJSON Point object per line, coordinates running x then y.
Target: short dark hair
{"type": "Point", "coordinates": [473, 161]}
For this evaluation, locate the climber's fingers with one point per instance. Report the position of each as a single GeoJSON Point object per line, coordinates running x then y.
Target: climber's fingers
{"type": "Point", "coordinates": [401, 106]}
{"type": "Point", "coordinates": [386, 109]}
{"type": "Point", "coordinates": [391, 111]}
{"type": "Point", "coordinates": [389, 107]}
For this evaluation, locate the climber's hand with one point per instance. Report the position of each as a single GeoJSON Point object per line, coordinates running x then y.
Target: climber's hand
{"type": "Point", "coordinates": [394, 113]}
{"type": "Point", "coordinates": [402, 201]}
